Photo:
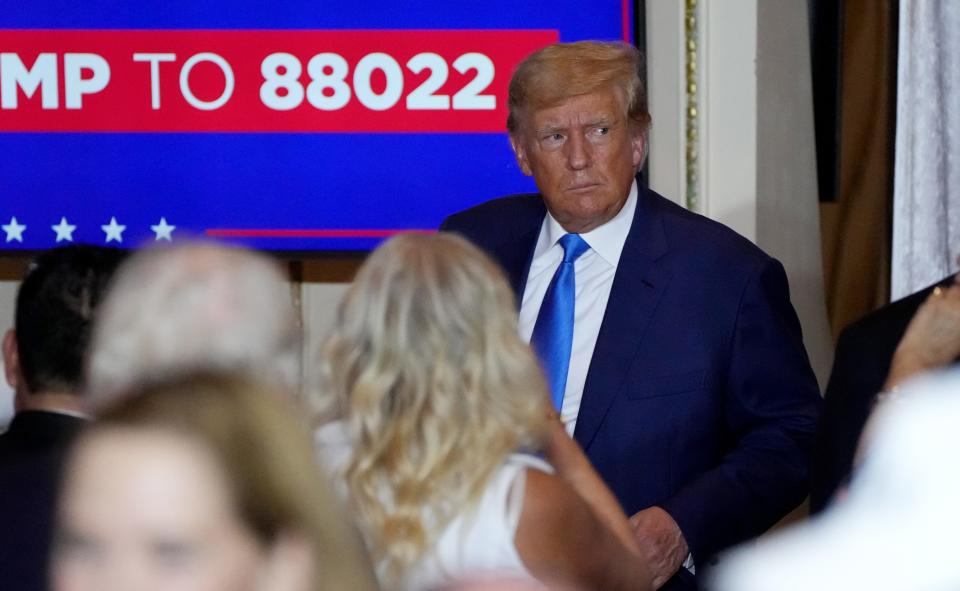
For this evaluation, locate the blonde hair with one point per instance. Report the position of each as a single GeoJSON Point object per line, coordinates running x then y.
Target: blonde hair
{"type": "Point", "coordinates": [563, 70]}
{"type": "Point", "coordinates": [434, 385]}
{"type": "Point", "coordinates": [193, 307]}
{"type": "Point", "coordinates": [268, 458]}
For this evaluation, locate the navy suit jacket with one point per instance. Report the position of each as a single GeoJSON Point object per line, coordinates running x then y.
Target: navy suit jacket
{"type": "Point", "coordinates": [32, 452]}
{"type": "Point", "coordinates": [699, 397]}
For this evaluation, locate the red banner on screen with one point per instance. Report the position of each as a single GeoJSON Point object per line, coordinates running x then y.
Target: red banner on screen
{"type": "Point", "coordinates": [259, 81]}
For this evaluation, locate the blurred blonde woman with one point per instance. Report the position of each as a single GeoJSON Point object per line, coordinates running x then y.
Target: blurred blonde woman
{"type": "Point", "coordinates": [441, 407]}
{"type": "Point", "coordinates": [206, 483]}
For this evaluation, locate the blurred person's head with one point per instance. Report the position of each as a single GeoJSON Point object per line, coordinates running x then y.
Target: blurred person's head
{"type": "Point", "coordinates": [43, 353]}
{"type": "Point", "coordinates": [578, 124]}
{"type": "Point", "coordinates": [895, 528]}
{"type": "Point", "coordinates": [434, 386]}
{"type": "Point", "coordinates": [193, 307]}
{"type": "Point", "coordinates": [204, 483]}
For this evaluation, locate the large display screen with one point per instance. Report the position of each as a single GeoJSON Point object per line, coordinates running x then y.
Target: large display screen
{"type": "Point", "coordinates": [285, 125]}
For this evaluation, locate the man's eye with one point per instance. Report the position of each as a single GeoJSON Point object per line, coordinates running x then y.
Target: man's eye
{"type": "Point", "coordinates": [553, 137]}
{"type": "Point", "coordinates": [602, 130]}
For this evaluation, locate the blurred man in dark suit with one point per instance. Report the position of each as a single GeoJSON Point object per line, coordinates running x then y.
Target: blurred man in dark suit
{"type": "Point", "coordinates": [43, 359]}
{"type": "Point", "coordinates": [874, 355]}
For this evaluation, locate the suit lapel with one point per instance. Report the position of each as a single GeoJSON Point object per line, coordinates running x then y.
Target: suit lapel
{"type": "Point", "coordinates": [637, 286]}
{"type": "Point", "coordinates": [515, 255]}
{"type": "Point", "coordinates": [515, 259]}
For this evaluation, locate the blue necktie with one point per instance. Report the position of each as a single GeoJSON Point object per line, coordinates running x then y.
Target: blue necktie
{"type": "Point", "coordinates": [553, 333]}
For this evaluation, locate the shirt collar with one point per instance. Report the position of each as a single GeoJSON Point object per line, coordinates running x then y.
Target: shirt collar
{"type": "Point", "coordinates": [606, 240]}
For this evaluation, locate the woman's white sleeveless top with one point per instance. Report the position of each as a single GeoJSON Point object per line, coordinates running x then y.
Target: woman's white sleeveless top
{"type": "Point", "coordinates": [477, 544]}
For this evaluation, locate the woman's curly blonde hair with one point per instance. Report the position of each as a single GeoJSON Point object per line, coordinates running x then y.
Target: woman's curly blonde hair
{"type": "Point", "coordinates": [435, 387]}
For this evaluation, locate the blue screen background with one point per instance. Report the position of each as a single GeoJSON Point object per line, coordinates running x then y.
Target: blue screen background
{"type": "Point", "coordinates": [266, 180]}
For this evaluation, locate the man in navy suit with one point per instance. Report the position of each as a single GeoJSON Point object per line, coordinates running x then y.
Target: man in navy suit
{"type": "Point", "coordinates": [688, 384]}
{"type": "Point", "coordinates": [43, 360]}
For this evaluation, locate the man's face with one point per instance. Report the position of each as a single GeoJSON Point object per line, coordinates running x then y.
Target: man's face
{"type": "Point", "coordinates": [583, 155]}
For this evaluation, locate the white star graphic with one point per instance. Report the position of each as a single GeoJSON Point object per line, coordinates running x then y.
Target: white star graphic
{"type": "Point", "coordinates": [64, 230]}
{"type": "Point", "coordinates": [163, 230]}
{"type": "Point", "coordinates": [14, 230]}
{"type": "Point", "coordinates": [113, 230]}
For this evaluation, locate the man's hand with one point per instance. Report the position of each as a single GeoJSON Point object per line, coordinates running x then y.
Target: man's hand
{"type": "Point", "coordinates": [661, 543]}
{"type": "Point", "coordinates": [932, 339]}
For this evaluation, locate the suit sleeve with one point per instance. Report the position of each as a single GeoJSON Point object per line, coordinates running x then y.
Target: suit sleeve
{"type": "Point", "coordinates": [859, 371]}
{"type": "Point", "coordinates": [771, 404]}
{"type": "Point", "coordinates": [455, 224]}
{"type": "Point", "coordinates": [448, 224]}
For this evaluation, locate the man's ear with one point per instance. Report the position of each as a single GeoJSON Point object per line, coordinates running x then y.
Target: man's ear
{"type": "Point", "coordinates": [638, 142]}
{"type": "Point", "coordinates": [11, 359]}
{"type": "Point", "coordinates": [520, 151]}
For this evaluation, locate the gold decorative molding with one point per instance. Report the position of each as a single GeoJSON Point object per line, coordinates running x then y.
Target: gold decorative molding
{"type": "Point", "coordinates": [692, 92]}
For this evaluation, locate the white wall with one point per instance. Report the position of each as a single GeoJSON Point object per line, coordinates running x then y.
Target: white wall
{"type": "Point", "coordinates": [788, 210]}
{"type": "Point", "coordinates": [8, 294]}
{"type": "Point", "coordinates": [318, 305]}
{"type": "Point", "coordinates": [665, 59]}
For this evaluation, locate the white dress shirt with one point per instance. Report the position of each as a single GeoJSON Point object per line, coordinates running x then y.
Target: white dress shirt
{"type": "Point", "coordinates": [594, 270]}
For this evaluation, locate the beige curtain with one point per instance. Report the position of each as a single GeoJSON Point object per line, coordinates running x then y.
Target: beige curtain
{"type": "Point", "coordinates": [855, 228]}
